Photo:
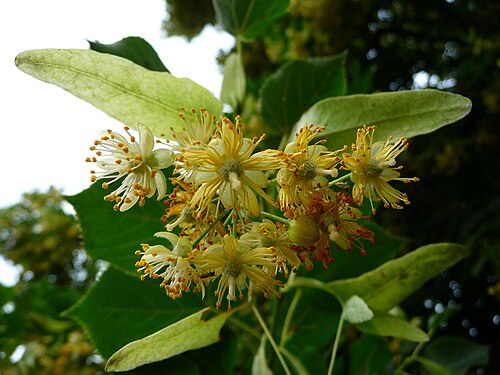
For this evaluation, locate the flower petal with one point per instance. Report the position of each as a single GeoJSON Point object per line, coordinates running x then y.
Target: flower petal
{"type": "Point", "coordinates": [146, 140]}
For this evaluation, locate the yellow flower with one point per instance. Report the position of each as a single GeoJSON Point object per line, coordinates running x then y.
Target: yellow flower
{"type": "Point", "coordinates": [372, 167]}
{"type": "Point", "coordinates": [136, 161]}
{"type": "Point", "coordinates": [173, 266]}
{"type": "Point", "coordinates": [227, 167]}
{"type": "Point", "coordinates": [304, 167]}
{"type": "Point", "coordinates": [269, 234]}
{"type": "Point", "coordinates": [238, 266]}
{"type": "Point", "coordinates": [199, 129]}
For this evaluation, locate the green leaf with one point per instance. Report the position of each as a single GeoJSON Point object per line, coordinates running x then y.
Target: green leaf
{"type": "Point", "coordinates": [296, 86]}
{"type": "Point", "coordinates": [233, 84]}
{"type": "Point", "coordinates": [389, 284]}
{"type": "Point", "coordinates": [247, 19]}
{"type": "Point", "coordinates": [383, 324]}
{"type": "Point", "coordinates": [190, 333]}
{"type": "Point", "coordinates": [397, 114]}
{"type": "Point", "coordinates": [457, 354]}
{"type": "Point", "coordinates": [118, 87]}
{"type": "Point", "coordinates": [368, 355]}
{"type": "Point", "coordinates": [115, 236]}
{"type": "Point", "coordinates": [119, 309]}
{"type": "Point", "coordinates": [134, 49]}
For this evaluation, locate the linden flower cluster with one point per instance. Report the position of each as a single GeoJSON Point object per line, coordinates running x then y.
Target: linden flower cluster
{"type": "Point", "coordinates": [238, 215]}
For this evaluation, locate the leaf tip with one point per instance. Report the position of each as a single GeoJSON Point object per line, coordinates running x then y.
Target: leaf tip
{"type": "Point", "coordinates": [18, 59]}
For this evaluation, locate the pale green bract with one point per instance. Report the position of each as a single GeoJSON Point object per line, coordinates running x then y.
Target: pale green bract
{"type": "Point", "coordinates": [120, 88]}
{"type": "Point", "coordinates": [396, 114]}
{"type": "Point", "coordinates": [192, 332]}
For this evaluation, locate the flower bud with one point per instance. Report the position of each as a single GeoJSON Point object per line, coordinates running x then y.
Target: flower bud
{"type": "Point", "coordinates": [160, 159]}
{"type": "Point", "coordinates": [357, 311]}
{"type": "Point", "coordinates": [304, 231]}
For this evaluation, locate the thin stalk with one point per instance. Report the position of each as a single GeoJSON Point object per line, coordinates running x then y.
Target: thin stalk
{"type": "Point", "coordinates": [271, 339]}
{"type": "Point", "coordinates": [288, 318]}
{"type": "Point", "coordinates": [340, 179]}
{"type": "Point", "coordinates": [336, 343]}
{"type": "Point", "coordinates": [227, 221]}
{"type": "Point", "coordinates": [234, 231]}
{"type": "Point", "coordinates": [275, 218]}
{"type": "Point", "coordinates": [410, 359]}
{"type": "Point", "coordinates": [210, 227]}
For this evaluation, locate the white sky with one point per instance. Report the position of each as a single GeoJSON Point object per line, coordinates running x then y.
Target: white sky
{"type": "Point", "coordinates": [45, 131]}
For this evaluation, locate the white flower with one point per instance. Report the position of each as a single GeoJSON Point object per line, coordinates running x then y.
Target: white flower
{"type": "Point", "coordinates": [136, 161]}
{"type": "Point", "coordinates": [173, 266]}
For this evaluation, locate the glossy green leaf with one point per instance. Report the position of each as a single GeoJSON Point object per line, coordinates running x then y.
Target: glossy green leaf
{"type": "Point", "coordinates": [247, 19]}
{"type": "Point", "coordinates": [389, 284]}
{"type": "Point", "coordinates": [115, 236]}
{"type": "Point", "coordinates": [192, 332]}
{"type": "Point", "coordinates": [296, 86]}
{"type": "Point", "coordinates": [234, 83]}
{"type": "Point", "coordinates": [397, 114]}
{"type": "Point", "coordinates": [118, 87]}
{"type": "Point", "coordinates": [134, 49]}
{"type": "Point", "coordinates": [383, 324]}
{"type": "Point", "coordinates": [121, 308]}
{"type": "Point", "coordinates": [457, 354]}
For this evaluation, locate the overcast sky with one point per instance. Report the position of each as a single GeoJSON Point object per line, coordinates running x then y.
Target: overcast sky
{"type": "Point", "coordinates": [46, 131]}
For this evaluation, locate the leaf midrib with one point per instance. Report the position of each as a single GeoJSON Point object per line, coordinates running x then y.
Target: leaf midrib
{"type": "Point", "coordinates": [104, 81]}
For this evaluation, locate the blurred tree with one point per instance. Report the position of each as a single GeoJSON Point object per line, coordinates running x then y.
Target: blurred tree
{"type": "Point", "coordinates": [41, 236]}
{"type": "Point", "coordinates": [187, 18]}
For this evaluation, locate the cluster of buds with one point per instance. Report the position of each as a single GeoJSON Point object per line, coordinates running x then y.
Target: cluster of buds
{"type": "Point", "coordinates": [242, 216]}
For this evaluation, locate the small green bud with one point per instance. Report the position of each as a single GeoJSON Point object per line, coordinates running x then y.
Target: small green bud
{"type": "Point", "coordinates": [160, 159]}
{"type": "Point", "coordinates": [357, 311]}
{"type": "Point", "coordinates": [304, 231]}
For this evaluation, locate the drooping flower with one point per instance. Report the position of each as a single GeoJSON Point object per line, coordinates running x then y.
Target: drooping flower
{"type": "Point", "coordinates": [269, 234]}
{"type": "Point", "coordinates": [238, 266]}
{"type": "Point", "coordinates": [133, 159]}
{"type": "Point", "coordinates": [178, 206]}
{"type": "Point", "coordinates": [372, 167]}
{"type": "Point", "coordinates": [330, 218]}
{"type": "Point", "coordinates": [227, 167]}
{"type": "Point", "coordinates": [304, 167]}
{"type": "Point", "coordinates": [173, 266]}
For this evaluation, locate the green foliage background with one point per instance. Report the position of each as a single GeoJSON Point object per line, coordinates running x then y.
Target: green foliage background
{"type": "Point", "coordinates": [386, 43]}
